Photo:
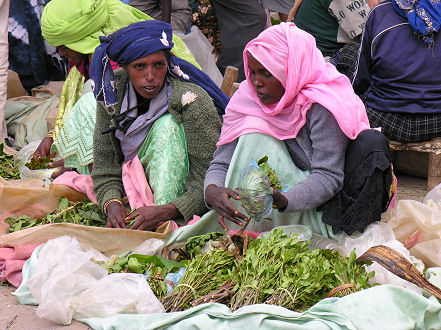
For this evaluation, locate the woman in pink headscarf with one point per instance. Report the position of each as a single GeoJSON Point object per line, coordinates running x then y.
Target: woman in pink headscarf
{"type": "Point", "coordinates": [293, 95]}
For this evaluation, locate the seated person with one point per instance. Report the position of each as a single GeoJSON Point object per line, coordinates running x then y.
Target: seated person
{"type": "Point", "coordinates": [336, 26]}
{"type": "Point", "coordinates": [300, 112]}
{"type": "Point", "coordinates": [75, 27]}
{"type": "Point", "coordinates": [399, 70]}
{"type": "Point", "coordinates": [155, 108]}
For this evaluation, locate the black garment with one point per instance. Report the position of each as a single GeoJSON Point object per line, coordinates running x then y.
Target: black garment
{"type": "Point", "coordinates": [239, 22]}
{"type": "Point", "coordinates": [365, 193]}
{"type": "Point", "coordinates": [406, 127]}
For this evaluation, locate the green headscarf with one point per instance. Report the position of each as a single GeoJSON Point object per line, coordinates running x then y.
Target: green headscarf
{"type": "Point", "coordinates": [78, 24]}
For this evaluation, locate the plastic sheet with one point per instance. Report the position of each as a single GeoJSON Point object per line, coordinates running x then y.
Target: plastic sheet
{"type": "Point", "coordinates": [380, 233]}
{"type": "Point", "coordinates": [24, 156]}
{"type": "Point", "coordinates": [255, 192]}
{"type": "Point", "coordinates": [68, 283]}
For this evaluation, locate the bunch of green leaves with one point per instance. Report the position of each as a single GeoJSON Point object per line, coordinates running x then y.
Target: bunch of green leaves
{"type": "Point", "coordinates": [194, 245]}
{"type": "Point", "coordinates": [7, 169]}
{"type": "Point", "coordinates": [263, 267]}
{"type": "Point", "coordinates": [80, 213]}
{"type": "Point", "coordinates": [156, 269]}
{"type": "Point", "coordinates": [39, 163]}
{"type": "Point", "coordinates": [279, 269]}
{"type": "Point", "coordinates": [204, 274]}
{"type": "Point", "coordinates": [270, 172]}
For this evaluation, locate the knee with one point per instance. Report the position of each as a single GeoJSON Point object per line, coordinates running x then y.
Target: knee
{"type": "Point", "coordinates": [367, 142]}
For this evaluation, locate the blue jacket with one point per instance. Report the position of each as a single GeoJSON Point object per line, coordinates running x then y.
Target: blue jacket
{"type": "Point", "coordinates": [396, 69]}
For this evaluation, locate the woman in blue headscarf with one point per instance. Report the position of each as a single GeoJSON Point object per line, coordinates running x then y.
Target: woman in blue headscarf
{"type": "Point", "coordinates": [160, 109]}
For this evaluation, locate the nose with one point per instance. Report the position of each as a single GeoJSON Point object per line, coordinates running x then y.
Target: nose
{"type": "Point", "coordinates": [149, 74]}
{"type": "Point", "coordinates": [61, 51]}
{"type": "Point", "coordinates": [257, 82]}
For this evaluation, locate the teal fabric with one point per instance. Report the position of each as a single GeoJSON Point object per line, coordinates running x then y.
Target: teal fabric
{"type": "Point", "coordinates": [248, 149]}
{"type": "Point", "coordinates": [164, 157]}
{"type": "Point", "coordinates": [74, 142]}
{"type": "Point", "coordinates": [381, 307]}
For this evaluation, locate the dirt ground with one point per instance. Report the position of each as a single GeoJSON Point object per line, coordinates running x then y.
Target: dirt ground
{"type": "Point", "coordinates": [16, 316]}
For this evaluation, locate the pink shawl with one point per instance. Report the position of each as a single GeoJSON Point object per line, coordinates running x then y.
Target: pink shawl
{"type": "Point", "coordinates": [291, 56]}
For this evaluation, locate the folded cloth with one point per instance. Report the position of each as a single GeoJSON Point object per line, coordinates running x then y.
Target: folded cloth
{"type": "Point", "coordinates": [12, 259]}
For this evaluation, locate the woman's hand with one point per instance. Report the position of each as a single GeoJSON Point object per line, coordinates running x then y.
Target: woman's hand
{"type": "Point", "coordinates": [219, 199]}
{"type": "Point", "coordinates": [279, 200]}
{"type": "Point", "coordinates": [59, 163]}
{"type": "Point", "coordinates": [116, 213]}
{"type": "Point", "coordinates": [44, 148]}
{"type": "Point", "coordinates": [150, 217]}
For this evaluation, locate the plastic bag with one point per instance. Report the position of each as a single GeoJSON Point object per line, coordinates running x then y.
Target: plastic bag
{"type": "Point", "coordinates": [24, 156]}
{"type": "Point", "coordinates": [69, 284]}
{"type": "Point", "coordinates": [255, 192]}
{"type": "Point", "coordinates": [380, 233]}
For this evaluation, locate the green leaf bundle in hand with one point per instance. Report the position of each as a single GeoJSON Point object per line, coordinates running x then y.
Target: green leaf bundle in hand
{"type": "Point", "coordinates": [270, 172]}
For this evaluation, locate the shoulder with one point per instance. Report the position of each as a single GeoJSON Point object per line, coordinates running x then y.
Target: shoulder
{"type": "Point", "coordinates": [185, 94]}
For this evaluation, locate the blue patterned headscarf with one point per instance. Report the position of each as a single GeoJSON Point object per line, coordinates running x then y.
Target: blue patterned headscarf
{"type": "Point", "coordinates": [137, 41]}
{"type": "Point", "coordinates": [424, 16]}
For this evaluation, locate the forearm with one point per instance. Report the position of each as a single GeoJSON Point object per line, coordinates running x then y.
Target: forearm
{"type": "Point", "coordinates": [217, 172]}
{"type": "Point", "coordinates": [106, 174]}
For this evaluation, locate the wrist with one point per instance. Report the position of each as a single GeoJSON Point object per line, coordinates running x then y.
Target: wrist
{"type": "Point", "coordinates": [110, 202]}
{"type": "Point", "coordinates": [168, 212]}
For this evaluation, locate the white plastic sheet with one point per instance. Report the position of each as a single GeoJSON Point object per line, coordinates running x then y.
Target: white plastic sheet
{"type": "Point", "coordinates": [380, 233]}
{"type": "Point", "coordinates": [69, 284]}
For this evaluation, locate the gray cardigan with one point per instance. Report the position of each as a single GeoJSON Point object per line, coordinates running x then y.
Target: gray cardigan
{"type": "Point", "coordinates": [320, 147]}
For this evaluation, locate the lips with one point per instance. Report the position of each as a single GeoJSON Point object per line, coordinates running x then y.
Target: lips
{"type": "Point", "coordinates": [261, 95]}
{"type": "Point", "coordinates": [149, 88]}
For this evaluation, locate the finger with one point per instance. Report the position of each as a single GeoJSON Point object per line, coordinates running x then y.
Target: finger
{"type": "Point", "coordinates": [37, 154]}
{"type": "Point", "coordinates": [232, 193]}
{"type": "Point", "coordinates": [57, 163]}
{"type": "Point", "coordinates": [233, 219]}
{"type": "Point", "coordinates": [114, 222]}
{"type": "Point", "coordinates": [222, 223]}
{"type": "Point", "coordinates": [56, 174]}
{"type": "Point", "coordinates": [131, 216]}
{"type": "Point", "coordinates": [137, 224]}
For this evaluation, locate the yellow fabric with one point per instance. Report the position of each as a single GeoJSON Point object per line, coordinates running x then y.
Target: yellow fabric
{"type": "Point", "coordinates": [78, 24]}
{"type": "Point", "coordinates": [71, 92]}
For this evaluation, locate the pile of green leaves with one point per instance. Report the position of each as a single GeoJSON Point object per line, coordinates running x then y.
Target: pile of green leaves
{"type": "Point", "coordinates": [270, 172]}
{"type": "Point", "coordinates": [204, 274]}
{"type": "Point", "coordinates": [80, 213]}
{"type": "Point", "coordinates": [154, 268]}
{"type": "Point", "coordinates": [279, 269]}
{"type": "Point", "coordinates": [7, 169]}
{"type": "Point", "coordinates": [39, 163]}
{"type": "Point", "coordinates": [194, 245]}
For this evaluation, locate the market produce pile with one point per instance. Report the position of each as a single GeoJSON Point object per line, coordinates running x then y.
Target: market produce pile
{"type": "Point", "coordinates": [80, 213]}
{"type": "Point", "coordinates": [277, 269]}
{"type": "Point", "coordinates": [7, 169]}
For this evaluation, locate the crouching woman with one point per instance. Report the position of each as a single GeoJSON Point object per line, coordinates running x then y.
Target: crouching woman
{"type": "Point", "coordinates": [155, 109]}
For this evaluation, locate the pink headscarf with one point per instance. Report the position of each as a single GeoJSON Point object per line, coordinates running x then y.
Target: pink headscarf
{"type": "Point", "coordinates": [291, 56]}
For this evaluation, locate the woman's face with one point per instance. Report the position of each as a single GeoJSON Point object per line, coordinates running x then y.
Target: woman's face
{"type": "Point", "coordinates": [71, 54]}
{"type": "Point", "coordinates": [269, 90]}
{"type": "Point", "coordinates": [148, 73]}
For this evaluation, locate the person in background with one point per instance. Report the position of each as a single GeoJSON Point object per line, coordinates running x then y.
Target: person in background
{"type": "Point", "coordinates": [336, 26]}
{"type": "Point", "coordinates": [282, 7]}
{"type": "Point", "coordinates": [74, 27]}
{"type": "Point", "coordinates": [399, 69]}
{"type": "Point", "coordinates": [160, 111]}
{"type": "Point", "coordinates": [239, 22]}
{"type": "Point", "coordinates": [304, 115]}
{"type": "Point", "coordinates": [181, 15]}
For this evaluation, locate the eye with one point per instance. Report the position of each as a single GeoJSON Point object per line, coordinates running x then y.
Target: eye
{"type": "Point", "coordinates": [267, 74]}
{"type": "Point", "coordinates": [159, 64]}
{"type": "Point", "coordinates": [139, 66]}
